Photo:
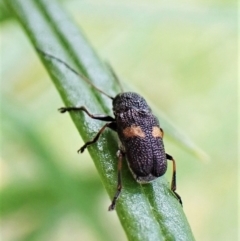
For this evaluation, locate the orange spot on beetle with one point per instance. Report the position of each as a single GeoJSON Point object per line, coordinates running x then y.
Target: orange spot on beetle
{"type": "Point", "coordinates": [156, 132]}
{"type": "Point", "coordinates": [133, 131]}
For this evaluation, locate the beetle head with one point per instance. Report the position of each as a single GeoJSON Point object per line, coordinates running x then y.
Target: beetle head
{"type": "Point", "coordinates": [129, 100]}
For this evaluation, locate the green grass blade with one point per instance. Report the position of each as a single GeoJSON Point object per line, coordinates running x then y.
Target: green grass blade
{"type": "Point", "coordinates": [51, 30]}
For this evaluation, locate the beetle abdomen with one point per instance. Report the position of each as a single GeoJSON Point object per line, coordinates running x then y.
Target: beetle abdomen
{"type": "Point", "coordinates": [147, 160]}
{"type": "Point", "coordinates": [143, 145]}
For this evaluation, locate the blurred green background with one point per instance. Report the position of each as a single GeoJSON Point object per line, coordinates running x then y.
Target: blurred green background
{"type": "Point", "coordinates": [182, 56]}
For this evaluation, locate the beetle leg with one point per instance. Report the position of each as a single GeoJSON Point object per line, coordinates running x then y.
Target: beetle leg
{"type": "Point", "coordinates": [119, 184]}
{"type": "Point", "coordinates": [173, 184]}
{"type": "Point", "coordinates": [111, 125]}
{"type": "Point", "coordinates": [82, 108]}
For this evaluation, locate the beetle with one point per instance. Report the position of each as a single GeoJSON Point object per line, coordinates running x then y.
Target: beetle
{"type": "Point", "coordinates": [140, 135]}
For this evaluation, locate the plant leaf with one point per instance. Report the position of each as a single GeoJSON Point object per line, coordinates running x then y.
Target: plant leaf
{"type": "Point", "coordinates": [50, 29]}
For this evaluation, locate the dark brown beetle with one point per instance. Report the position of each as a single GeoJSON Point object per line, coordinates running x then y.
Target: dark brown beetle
{"type": "Point", "coordinates": [140, 135]}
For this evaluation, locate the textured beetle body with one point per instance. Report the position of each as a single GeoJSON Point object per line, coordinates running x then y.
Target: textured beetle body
{"type": "Point", "coordinates": [139, 132]}
{"type": "Point", "coordinates": [140, 136]}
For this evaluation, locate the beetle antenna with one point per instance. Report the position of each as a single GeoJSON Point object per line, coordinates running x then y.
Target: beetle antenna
{"type": "Point", "coordinates": [115, 76]}
{"type": "Point", "coordinates": [74, 71]}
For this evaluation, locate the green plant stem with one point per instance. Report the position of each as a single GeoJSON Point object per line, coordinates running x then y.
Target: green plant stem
{"type": "Point", "coordinates": [148, 213]}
